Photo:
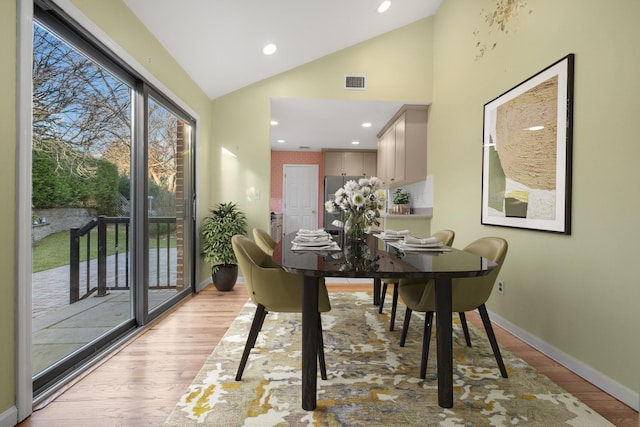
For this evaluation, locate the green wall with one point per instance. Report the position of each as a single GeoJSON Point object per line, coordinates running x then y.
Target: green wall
{"type": "Point", "coordinates": [8, 190]}
{"type": "Point", "coordinates": [579, 294]}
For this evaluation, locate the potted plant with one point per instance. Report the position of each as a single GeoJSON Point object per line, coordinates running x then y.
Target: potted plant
{"type": "Point", "coordinates": [223, 222]}
{"type": "Point", "coordinates": [401, 202]}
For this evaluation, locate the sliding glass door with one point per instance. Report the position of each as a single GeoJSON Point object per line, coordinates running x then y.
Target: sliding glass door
{"type": "Point", "coordinates": [168, 158]}
{"type": "Point", "coordinates": [112, 201]}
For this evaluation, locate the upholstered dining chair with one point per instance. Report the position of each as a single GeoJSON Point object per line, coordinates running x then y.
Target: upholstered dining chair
{"type": "Point", "coordinates": [446, 237]}
{"type": "Point", "coordinates": [468, 294]}
{"type": "Point", "coordinates": [264, 240]}
{"type": "Point", "coordinates": [272, 289]}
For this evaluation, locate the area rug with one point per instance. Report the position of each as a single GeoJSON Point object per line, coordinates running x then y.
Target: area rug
{"type": "Point", "coordinates": [372, 381]}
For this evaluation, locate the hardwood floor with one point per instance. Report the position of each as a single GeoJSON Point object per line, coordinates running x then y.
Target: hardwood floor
{"type": "Point", "coordinates": [141, 382]}
{"type": "Point", "coordinates": [610, 408]}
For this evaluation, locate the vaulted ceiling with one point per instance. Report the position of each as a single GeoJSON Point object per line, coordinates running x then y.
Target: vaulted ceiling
{"type": "Point", "coordinates": [219, 43]}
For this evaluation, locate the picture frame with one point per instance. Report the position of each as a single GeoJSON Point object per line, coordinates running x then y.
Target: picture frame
{"type": "Point", "coordinates": [527, 150]}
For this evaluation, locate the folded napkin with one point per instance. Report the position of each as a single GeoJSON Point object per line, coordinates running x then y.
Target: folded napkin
{"type": "Point", "coordinates": [431, 241]}
{"type": "Point", "coordinates": [305, 231]}
{"type": "Point", "coordinates": [396, 233]}
{"type": "Point", "coordinates": [310, 238]}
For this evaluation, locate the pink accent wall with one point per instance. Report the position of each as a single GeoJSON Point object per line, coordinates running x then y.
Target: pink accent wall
{"type": "Point", "coordinates": [280, 158]}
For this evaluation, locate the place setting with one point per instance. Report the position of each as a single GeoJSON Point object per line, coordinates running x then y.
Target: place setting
{"type": "Point", "coordinates": [410, 243]}
{"type": "Point", "coordinates": [389, 234]}
{"type": "Point", "coordinates": [314, 240]}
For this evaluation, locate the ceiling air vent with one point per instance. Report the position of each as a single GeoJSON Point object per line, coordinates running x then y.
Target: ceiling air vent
{"type": "Point", "coordinates": [355, 82]}
{"type": "Point", "coordinates": [304, 147]}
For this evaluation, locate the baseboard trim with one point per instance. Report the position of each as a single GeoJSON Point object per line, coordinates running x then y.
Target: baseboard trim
{"type": "Point", "coordinates": [206, 282]}
{"type": "Point", "coordinates": [203, 284]}
{"type": "Point", "coordinates": [9, 418]}
{"type": "Point", "coordinates": [597, 378]}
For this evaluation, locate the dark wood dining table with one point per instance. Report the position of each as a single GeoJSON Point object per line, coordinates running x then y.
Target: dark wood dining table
{"type": "Point", "coordinates": [375, 259]}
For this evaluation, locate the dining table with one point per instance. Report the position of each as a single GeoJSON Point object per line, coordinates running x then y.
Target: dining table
{"type": "Point", "coordinates": [376, 258]}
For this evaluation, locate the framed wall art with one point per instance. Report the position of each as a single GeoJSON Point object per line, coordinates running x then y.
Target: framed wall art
{"type": "Point", "coordinates": [526, 152]}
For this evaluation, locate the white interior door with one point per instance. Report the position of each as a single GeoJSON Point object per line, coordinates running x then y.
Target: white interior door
{"type": "Point", "coordinates": [300, 194]}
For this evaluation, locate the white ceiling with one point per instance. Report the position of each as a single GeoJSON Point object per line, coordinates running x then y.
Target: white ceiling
{"type": "Point", "coordinates": [327, 123]}
{"type": "Point", "coordinates": [219, 43]}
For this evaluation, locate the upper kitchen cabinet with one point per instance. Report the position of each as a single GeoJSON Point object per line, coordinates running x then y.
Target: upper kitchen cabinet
{"type": "Point", "coordinates": [402, 147]}
{"type": "Point", "coordinates": [350, 163]}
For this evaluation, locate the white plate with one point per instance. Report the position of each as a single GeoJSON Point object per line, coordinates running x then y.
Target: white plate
{"type": "Point", "coordinates": [331, 247]}
{"type": "Point", "coordinates": [389, 236]}
{"type": "Point", "coordinates": [419, 245]}
{"type": "Point", "coordinates": [314, 243]}
{"type": "Point", "coordinates": [425, 249]}
{"type": "Point", "coordinates": [324, 233]}
{"type": "Point", "coordinates": [419, 248]}
{"type": "Point", "coordinates": [299, 238]}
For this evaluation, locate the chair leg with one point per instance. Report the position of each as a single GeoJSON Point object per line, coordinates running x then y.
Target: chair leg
{"type": "Point", "coordinates": [323, 365]}
{"type": "Point", "coordinates": [426, 339]}
{"type": "Point", "coordinates": [492, 339]}
{"type": "Point", "coordinates": [405, 327]}
{"type": "Point", "coordinates": [382, 295]}
{"type": "Point", "coordinates": [394, 306]}
{"type": "Point", "coordinates": [465, 328]}
{"type": "Point", "coordinates": [264, 315]}
{"type": "Point", "coordinates": [256, 325]}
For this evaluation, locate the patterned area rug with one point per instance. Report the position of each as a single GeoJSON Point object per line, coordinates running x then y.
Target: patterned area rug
{"type": "Point", "coordinates": [372, 381]}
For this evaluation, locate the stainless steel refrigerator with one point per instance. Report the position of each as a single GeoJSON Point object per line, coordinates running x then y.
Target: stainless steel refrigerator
{"type": "Point", "coordinates": [331, 185]}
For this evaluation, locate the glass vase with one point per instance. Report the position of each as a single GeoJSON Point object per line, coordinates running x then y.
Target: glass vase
{"type": "Point", "coordinates": [355, 227]}
{"type": "Point", "coordinates": [358, 257]}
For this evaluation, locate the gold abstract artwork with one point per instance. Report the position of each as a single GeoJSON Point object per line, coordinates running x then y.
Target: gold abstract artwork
{"type": "Point", "coordinates": [499, 19]}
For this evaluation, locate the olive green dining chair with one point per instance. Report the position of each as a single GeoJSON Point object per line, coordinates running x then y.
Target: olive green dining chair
{"type": "Point", "coordinates": [273, 289]}
{"type": "Point", "coordinates": [468, 294]}
{"type": "Point", "coordinates": [264, 240]}
{"type": "Point", "coordinates": [446, 237]}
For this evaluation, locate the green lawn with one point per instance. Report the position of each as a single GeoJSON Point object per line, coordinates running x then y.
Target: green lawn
{"type": "Point", "coordinates": [53, 250]}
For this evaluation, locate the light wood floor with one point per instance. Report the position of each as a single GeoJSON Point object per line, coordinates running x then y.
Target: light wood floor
{"type": "Point", "coordinates": [140, 384]}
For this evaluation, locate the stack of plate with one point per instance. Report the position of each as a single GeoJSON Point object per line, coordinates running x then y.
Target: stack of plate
{"type": "Point", "coordinates": [393, 234]}
{"type": "Point", "coordinates": [315, 240]}
{"type": "Point", "coordinates": [416, 244]}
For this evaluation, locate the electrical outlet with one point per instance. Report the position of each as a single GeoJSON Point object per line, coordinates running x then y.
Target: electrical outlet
{"type": "Point", "coordinates": [500, 287]}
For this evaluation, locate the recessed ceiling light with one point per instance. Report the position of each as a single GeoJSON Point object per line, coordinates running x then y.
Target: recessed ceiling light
{"type": "Point", "coordinates": [280, 141]}
{"type": "Point", "coordinates": [384, 6]}
{"type": "Point", "coordinates": [355, 142]}
{"type": "Point", "coordinates": [269, 49]}
{"type": "Point", "coordinates": [366, 125]}
{"type": "Point", "coordinates": [274, 123]}
{"type": "Point", "coordinates": [535, 128]}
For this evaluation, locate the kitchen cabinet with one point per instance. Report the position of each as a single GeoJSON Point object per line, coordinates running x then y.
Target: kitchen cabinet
{"type": "Point", "coordinates": [386, 148]}
{"type": "Point", "coordinates": [370, 163]}
{"type": "Point", "coordinates": [350, 163]}
{"type": "Point", "coordinates": [402, 147]}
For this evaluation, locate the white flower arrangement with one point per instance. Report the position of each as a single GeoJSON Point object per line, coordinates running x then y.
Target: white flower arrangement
{"type": "Point", "coordinates": [361, 201]}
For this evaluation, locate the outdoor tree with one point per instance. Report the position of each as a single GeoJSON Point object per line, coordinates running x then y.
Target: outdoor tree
{"type": "Point", "coordinates": [79, 109]}
{"type": "Point", "coordinates": [163, 132]}
{"type": "Point", "coordinates": [82, 114]}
